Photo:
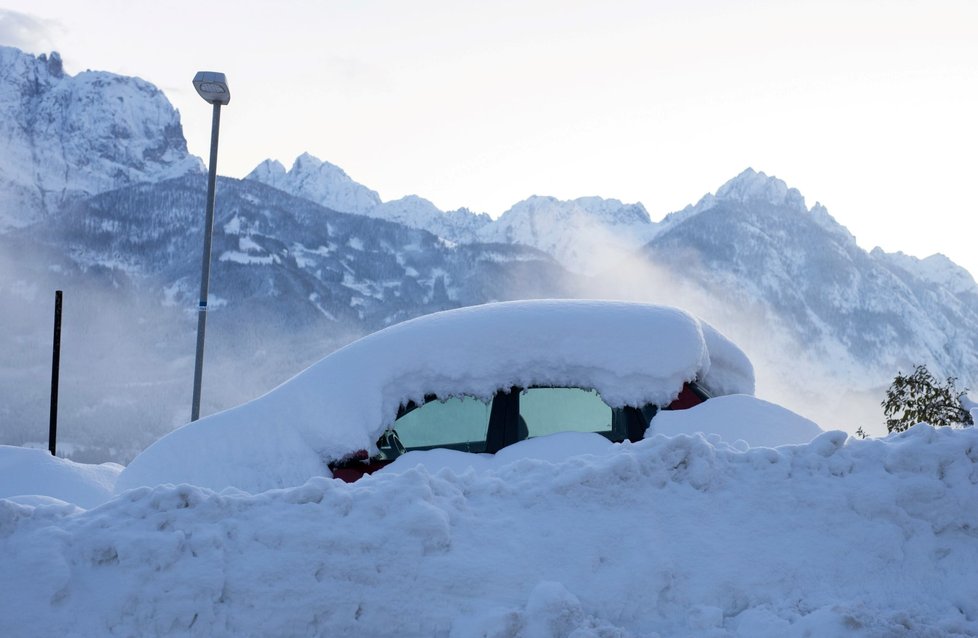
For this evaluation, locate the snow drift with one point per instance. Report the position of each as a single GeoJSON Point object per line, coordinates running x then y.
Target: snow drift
{"type": "Point", "coordinates": [680, 536]}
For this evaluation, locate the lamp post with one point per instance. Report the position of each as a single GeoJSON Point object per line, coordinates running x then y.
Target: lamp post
{"type": "Point", "coordinates": [213, 87]}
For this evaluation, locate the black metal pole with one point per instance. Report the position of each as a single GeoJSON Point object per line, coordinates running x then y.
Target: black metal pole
{"type": "Point", "coordinates": [205, 269]}
{"type": "Point", "coordinates": [55, 372]}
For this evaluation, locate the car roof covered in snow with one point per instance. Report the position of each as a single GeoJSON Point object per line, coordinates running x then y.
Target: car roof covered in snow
{"type": "Point", "coordinates": [631, 353]}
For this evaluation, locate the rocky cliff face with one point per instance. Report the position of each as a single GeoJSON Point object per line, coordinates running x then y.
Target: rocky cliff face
{"type": "Point", "coordinates": [66, 137]}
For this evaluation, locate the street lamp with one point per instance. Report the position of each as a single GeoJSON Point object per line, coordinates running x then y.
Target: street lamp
{"type": "Point", "coordinates": [213, 87]}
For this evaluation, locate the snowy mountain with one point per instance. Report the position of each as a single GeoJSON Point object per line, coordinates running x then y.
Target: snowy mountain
{"type": "Point", "coordinates": [459, 226]}
{"type": "Point", "coordinates": [585, 235]}
{"type": "Point", "coordinates": [753, 187]}
{"type": "Point", "coordinates": [319, 263]}
{"type": "Point", "coordinates": [937, 269]}
{"type": "Point", "coordinates": [792, 284]}
{"type": "Point", "coordinates": [582, 234]}
{"type": "Point", "coordinates": [318, 181]}
{"type": "Point", "coordinates": [329, 186]}
{"type": "Point", "coordinates": [66, 137]}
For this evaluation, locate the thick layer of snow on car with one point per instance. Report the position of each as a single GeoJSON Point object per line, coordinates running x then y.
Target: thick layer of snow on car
{"type": "Point", "coordinates": [630, 353]}
{"type": "Point", "coordinates": [671, 536]}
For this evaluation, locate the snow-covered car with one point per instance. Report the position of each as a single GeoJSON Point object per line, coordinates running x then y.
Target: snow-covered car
{"type": "Point", "coordinates": [474, 379]}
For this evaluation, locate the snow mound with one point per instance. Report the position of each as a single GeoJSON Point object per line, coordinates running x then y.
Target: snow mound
{"type": "Point", "coordinates": [31, 472]}
{"type": "Point", "coordinates": [738, 417]}
{"type": "Point", "coordinates": [670, 536]}
{"type": "Point", "coordinates": [554, 448]}
{"type": "Point", "coordinates": [630, 353]}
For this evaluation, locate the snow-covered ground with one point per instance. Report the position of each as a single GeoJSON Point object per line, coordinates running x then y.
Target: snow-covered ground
{"type": "Point", "coordinates": [672, 536]}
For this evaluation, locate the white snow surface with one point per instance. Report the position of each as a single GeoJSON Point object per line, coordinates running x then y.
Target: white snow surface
{"type": "Point", "coordinates": [672, 536]}
{"type": "Point", "coordinates": [26, 472]}
{"type": "Point", "coordinates": [630, 353]}
{"type": "Point", "coordinates": [738, 419]}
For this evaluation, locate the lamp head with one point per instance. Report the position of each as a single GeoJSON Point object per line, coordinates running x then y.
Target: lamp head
{"type": "Point", "coordinates": [213, 87]}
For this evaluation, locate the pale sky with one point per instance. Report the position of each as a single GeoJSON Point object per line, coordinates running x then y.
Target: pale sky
{"type": "Point", "coordinates": [868, 106]}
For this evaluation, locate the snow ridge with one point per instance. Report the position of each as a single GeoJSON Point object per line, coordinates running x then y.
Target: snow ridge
{"type": "Point", "coordinates": [585, 235]}
{"type": "Point", "coordinates": [752, 188]}
{"type": "Point", "coordinates": [937, 269]}
{"type": "Point", "coordinates": [459, 226]}
{"type": "Point", "coordinates": [321, 182]}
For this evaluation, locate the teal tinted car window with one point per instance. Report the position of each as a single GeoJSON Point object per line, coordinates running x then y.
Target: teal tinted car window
{"type": "Point", "coordinates": [550, 410]}
{"type": "Point", "coordinates": [458, 422]}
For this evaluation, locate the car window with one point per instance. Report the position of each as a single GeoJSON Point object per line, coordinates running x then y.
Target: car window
{"type": "Point", "coordinates": [460, 423]}
{"type": "Point", "coordinates": [549, 410]}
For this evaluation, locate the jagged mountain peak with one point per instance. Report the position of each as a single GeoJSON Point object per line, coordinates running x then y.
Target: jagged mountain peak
{"type": "Point", "coordinates": [318, 181]}
{"type": "Point", "coordinates": [936, 269]}
{"type": "Point", "coordinates": [418, 201]}
{"type": "Point", "coordinates": [268, 169]}
{"type": "Point", "coordinates": [65, 137]}
{"type": "Point", "coordinates": [54, 64]}
{"type": "Point", "coordinates": [328, 185]}
{"type": "Point", "coordinates": [44, 67]}
{"type": "Point", "coordinates": [309, 162]}
{"type": "Point", "coordinates": [820, 215]}
{"type": "Point", "coordinates": [751, 185]}
{"type": "Point", "coordinates": [458, 226]}
{"type": "Point", "coordinates": [605, 210]}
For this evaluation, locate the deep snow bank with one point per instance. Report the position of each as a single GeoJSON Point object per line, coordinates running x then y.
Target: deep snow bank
{"type": "Point", "coordinates": [737, 418]}
{"type": "Point", "coordinates": [630, 353]}
{"type": "Point", "coordinates": [28, 472]}
{"type": "Point", "coordinates": [671, 536]}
